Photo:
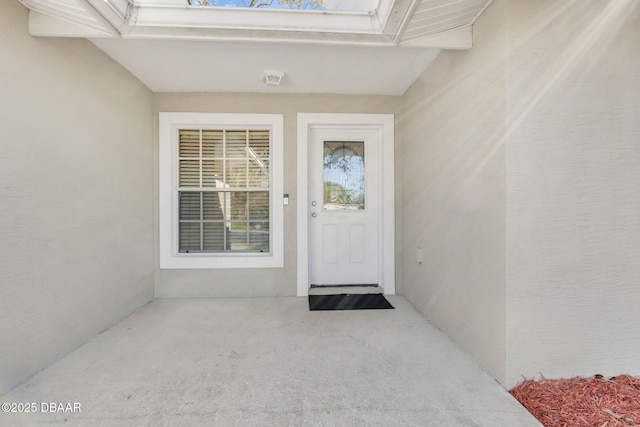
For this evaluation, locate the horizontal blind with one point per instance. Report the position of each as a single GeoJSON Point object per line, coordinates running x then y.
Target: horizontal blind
{"type": "Point", "coordinates": [223, 190]}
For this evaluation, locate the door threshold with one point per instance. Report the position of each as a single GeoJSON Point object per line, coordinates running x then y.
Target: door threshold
{"type": "Point", "coordinates": [345, 289]}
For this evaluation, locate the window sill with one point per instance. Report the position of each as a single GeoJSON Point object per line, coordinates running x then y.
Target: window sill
{"type": "Point", "coordinates": [203, 261]}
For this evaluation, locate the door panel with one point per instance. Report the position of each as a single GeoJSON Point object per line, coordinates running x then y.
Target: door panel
{"type": "Point", "coordinates": [343, 206]}
{"type": "Point", "coordinates": [357, 242]}
{"type": "Point", "coordinates": [330, 243]}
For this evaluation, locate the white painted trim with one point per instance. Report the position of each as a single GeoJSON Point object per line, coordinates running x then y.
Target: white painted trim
{"type": "Point", "coordinates": [456, 39]}
{"type": "Point", "coordinates": [256, 19]}
{"type": "Point", "coordinates": [385, 18]}
{"type": "Point", "coordinates": [385, 124]}
{"type": "Point", "coordinates": [169, 124]}
{"type": "Point", "coordinates": [44, 25]}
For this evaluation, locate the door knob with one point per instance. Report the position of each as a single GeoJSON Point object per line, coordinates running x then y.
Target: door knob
{"type": "Point", "coordinates": [314, 203]}
{"type": "Point", "coordinates": [313, 214]}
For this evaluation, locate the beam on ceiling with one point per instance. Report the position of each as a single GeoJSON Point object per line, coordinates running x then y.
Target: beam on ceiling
{"type": "Point", "coordinates": [457, 39]}
{"type": "Point", "coordinates": [41, 25]}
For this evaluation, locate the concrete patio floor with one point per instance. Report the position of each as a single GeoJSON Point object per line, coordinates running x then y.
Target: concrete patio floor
{"type": "Point", "coordinates": [268, 362]}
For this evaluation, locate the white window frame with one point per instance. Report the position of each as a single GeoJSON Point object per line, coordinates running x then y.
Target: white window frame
{"type": "Point", "coordinates": [169, 125]}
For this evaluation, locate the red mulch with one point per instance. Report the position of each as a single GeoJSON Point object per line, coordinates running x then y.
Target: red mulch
{"type": "Point", "coordinates": [582, 402]}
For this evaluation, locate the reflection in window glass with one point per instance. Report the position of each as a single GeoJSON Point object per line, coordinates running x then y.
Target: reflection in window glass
{"type": "Point", "coordinates": [223, 191]}
{"type": "Point", "coordinates": [264, 4]}
{"type": "Point", "coordinates": [362, 6]}
{"type": "Point", "coordinates": [344, 175]}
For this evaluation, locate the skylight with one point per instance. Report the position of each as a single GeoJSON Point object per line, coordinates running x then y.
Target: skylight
{"type": "Point", "coordinates": [349, 22]}
{"type": "Point", "coordinates": [266, 4]}
{"type": "Point", "coordinates": [362, 6]}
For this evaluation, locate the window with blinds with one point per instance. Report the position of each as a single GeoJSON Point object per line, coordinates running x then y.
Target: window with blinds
{"type": "Point", "coordinates": [220, 183]}
{"type": "Point", "coordinates": [223, 190]}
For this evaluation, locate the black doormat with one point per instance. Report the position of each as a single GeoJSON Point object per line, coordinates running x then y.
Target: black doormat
{"type": "Point", "coordinates": [348, 302]}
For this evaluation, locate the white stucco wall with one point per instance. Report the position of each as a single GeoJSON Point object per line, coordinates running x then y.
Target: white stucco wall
{"type": "Point", "coordinates": [271, 281]}
{"type": "Point", "coordinates": [551, 90]}
{"type": "Point", "coordinates": [76, 196]}
{"type": "Point", "coordinates": [573, 173]}
{"type": "Point", "coordinates": [454, 193]}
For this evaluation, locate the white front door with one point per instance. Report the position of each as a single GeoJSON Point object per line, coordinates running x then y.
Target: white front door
{"type": "Point", "coordinates": [344, 206]}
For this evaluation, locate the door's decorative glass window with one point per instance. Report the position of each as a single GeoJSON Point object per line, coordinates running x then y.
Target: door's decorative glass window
{"type": "Point", "coordinates": [344, 186]}
{"type": "Point", "coordinates": [223, 191]}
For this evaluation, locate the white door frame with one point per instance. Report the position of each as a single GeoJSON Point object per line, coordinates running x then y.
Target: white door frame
{"type": "Point", "coordinates": [384, 123]}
